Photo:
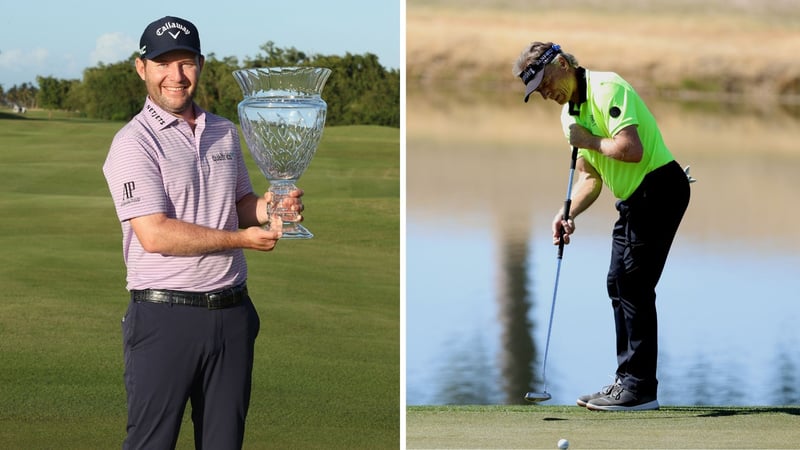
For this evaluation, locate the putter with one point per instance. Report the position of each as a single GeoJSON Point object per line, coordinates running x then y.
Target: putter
{"type": "Point", "coordinates": [543, 396]}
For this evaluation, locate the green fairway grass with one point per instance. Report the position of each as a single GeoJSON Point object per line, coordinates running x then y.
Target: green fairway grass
{"type": "Point", "coordinates": [327, 358]}
{"type": "Point", "coordinates": [539, 426]}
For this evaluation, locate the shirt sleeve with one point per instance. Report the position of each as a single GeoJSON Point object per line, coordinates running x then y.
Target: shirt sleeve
{"type": "Point", "coordinates": [615, 106]}
{"type": "Point", "coordinates": [134, 177]}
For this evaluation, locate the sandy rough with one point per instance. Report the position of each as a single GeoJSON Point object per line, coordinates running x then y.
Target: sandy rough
{"type": "Point", "coordinates": [739, 48]}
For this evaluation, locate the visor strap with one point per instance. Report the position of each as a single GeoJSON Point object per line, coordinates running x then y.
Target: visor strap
{"type": "Point", "coordinates": [543, 60]}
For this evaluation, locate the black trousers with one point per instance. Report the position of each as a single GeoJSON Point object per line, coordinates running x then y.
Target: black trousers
{"type": "Point", "coordinates": [175, 354]}
{"type": "Point", "coordinates": [642, 237]}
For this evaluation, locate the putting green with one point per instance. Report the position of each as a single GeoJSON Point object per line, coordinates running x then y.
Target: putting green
{"type": "Point", "coordinates": [542, 427]}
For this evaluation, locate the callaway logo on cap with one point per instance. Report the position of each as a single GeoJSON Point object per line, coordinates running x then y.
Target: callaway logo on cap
{"type": "Point", "coordinates": [168, 34]}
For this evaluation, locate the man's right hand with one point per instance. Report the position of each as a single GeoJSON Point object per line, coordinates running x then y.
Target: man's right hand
{"type": "Point", "coordinates": [559, 224]}
{"type": "Point", "coordinates": [262, 239]}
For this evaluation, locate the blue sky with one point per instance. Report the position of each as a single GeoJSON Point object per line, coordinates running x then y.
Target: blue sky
{"type": "Point", "coordinates": [61, 38]}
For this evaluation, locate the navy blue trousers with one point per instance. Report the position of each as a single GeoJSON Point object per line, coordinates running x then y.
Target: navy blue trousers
{"type": "Point", "coordinates": [175, 354]}
{"type": "Point", "coordinates": [642, 237]}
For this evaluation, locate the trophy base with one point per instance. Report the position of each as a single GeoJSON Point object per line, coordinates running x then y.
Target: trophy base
{"type": "Point", "coordinates": [295, 231]}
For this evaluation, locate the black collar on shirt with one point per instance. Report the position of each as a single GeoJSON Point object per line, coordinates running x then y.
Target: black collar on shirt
{"type": "Point", "coordinates": [575, 108]}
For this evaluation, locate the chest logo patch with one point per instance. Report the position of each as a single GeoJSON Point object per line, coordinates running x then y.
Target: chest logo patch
{"type": "Point", "coordinates": [226, 156]}
{"type": "Point", "coordinates": [614, 112]}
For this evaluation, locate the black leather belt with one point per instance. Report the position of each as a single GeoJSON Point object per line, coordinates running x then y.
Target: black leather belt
{"type": "Point", "coordinates": [224, 298]}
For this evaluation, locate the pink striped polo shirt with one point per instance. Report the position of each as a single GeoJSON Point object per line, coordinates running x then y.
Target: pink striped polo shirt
{"type": "Point", "coordinates": [156, 164]}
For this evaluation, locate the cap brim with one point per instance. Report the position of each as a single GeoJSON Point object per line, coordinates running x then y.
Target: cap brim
{"type": "Point", "coordinates": [156, 54]}
{"type": "Point", "coordinates": [533, 84]}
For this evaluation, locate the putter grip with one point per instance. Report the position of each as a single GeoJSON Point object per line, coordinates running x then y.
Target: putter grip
{"type": "Point", "coordinates": [567, 204]}
{"type": "Point", "coordinates": [568, 201]}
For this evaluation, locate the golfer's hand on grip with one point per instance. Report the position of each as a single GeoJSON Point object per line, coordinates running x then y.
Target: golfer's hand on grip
{"type": "Point", "coordinates": [559, 225]}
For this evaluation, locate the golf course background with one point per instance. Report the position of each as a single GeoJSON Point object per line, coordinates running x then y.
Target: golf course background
{"type": "Point", "coordinates": [707, 49]}
{"type": "Point", "coordinates": [327, 358]}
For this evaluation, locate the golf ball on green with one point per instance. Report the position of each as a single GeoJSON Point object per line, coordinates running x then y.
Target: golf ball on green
{"type": "Point", "coordinates": [563, 444]}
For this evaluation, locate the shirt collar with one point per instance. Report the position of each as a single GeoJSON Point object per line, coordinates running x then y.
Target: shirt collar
{"type": "Point", "coordinates": [161, 119]}
{"type": "Point", "coordinates": [157, 117]}
{"type": "Point", "coordinates": [575, 108]}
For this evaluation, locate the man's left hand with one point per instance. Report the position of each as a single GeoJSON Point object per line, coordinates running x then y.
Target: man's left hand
{"type": "Point", "coordinates": [289, 208]}
{"type": "Point", "coordinates": [581, 137]}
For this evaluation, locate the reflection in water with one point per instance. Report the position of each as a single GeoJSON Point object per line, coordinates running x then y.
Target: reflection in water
{"type": "Point", "coordinates": [478, 294]}
{"type": "Point", "coordinates": [787, 385]}
{"type": "Point", "coordinates": [517, 354]}
{"type": "Point", "coordinates": [467, 370]}
{"type": "Point", "coordinates": [466, 374]}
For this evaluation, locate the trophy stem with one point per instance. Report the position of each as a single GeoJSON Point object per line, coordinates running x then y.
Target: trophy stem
{"type": "Point", "coordinates": [292, 229]}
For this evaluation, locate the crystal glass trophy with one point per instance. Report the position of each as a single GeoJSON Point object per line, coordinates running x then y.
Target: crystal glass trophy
{"type": "Point", "coordinates": [282, 117]}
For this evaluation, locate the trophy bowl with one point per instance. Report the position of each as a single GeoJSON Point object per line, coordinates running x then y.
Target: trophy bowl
{"type": "Point", "coordinates": [282, 117]}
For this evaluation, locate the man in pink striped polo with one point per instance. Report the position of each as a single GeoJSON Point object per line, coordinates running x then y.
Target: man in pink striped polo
{"type": "Point", "coordinates": [187, 209]}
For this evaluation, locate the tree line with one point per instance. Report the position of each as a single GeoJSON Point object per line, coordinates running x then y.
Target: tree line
{"type": "Point", "coordinates": [359, 91]}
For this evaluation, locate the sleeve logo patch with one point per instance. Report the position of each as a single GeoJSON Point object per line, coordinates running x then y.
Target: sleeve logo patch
{"type": "Point", "coordinates": [127, 193]}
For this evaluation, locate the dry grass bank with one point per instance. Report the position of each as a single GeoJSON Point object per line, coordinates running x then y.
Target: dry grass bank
{"type": "Point", "coordinates": [734, 47]}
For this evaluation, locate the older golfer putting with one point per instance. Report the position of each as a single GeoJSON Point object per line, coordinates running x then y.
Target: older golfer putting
{"type": "Point", "coordinates": [620, 146]}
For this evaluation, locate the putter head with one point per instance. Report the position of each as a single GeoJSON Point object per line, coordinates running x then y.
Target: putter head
{"type": "Point", "coordinates": [537, 397]}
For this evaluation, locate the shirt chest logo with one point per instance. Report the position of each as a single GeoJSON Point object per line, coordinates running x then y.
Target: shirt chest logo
{"type": "Point", "coordinates": [222, 156]}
